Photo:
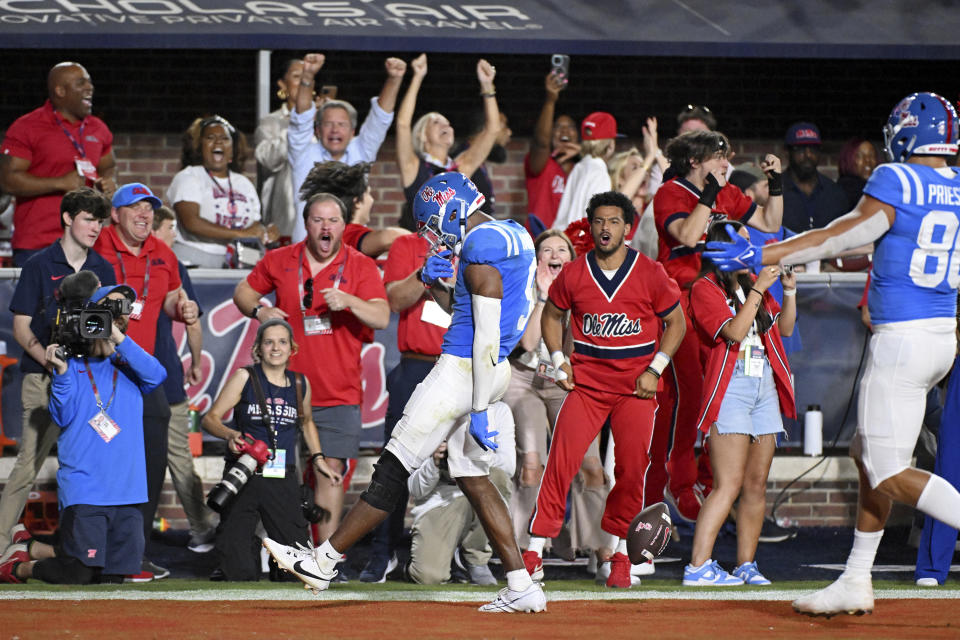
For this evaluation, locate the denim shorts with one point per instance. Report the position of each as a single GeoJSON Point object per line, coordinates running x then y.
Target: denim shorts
{"type": "Point", "coordinates": [750, 406]}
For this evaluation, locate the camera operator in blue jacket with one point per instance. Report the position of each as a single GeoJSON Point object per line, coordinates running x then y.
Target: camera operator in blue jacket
{"type": "Point", "coordinates": [96, 398]}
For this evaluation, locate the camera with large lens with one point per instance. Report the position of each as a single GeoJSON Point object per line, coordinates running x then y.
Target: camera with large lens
{"type": "Point", "coordinates": [79, 323]}
{"type": "Point", "coordinates": [253, 454]}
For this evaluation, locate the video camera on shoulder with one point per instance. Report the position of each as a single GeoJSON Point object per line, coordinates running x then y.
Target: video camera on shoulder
{"type": "Point", "coordinates": [80, 322]}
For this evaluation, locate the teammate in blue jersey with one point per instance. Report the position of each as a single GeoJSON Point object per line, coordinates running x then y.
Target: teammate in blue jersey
{"type": "Point", "coordinates": [491, 302]}
{"type": "Point", "coordinates": [911, 210]}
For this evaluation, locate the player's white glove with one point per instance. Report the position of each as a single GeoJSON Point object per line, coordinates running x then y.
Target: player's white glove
{"type": "Point", "coordinates": [480, 430]}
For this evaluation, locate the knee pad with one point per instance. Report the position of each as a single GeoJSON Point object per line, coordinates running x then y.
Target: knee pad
{"type": "Point", "coordinates": [388, 483]}
{"type": "Point", "coordinates": [65, 570]}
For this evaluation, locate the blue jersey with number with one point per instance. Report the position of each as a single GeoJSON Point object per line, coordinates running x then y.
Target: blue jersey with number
{"type": "Point", "coordinates": [506, 245]}
{"type": "Point", "coordinates": [916, 265]}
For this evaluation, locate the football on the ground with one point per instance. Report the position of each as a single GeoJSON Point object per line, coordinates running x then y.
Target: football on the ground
{"type": "Point", "coordinates": [649, 533]}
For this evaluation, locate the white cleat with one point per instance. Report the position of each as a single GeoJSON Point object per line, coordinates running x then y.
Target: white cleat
{"type": "Point", "coordinates": [530, 600]}
{"type": "Point", "coordinates": [300, 561]}
{"type": "Point", "coordinates": [847, 595]}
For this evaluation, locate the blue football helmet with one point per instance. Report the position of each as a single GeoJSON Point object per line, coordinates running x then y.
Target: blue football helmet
{"type": "Point", "coordinates": [923, 124]}
{"type": "Point", "coordinates": [442, 207]}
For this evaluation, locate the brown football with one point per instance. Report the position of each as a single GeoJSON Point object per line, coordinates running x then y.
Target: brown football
{"type": "Point", "coordinates": [649, 533]}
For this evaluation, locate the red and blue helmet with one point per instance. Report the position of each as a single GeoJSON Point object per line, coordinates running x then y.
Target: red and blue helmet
{"type": "Point", "coordinates": [922, 124]}
{"type": "Point", "coordinates": [442, 207]}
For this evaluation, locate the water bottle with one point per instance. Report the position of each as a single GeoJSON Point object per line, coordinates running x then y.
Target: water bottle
{"type": "Point", "coordinates": [195, 436]}
{"type": "Point", "coordinates": [813, 431]}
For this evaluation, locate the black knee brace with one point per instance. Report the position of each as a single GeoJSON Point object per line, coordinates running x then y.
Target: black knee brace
{"type": "Point", "coordinates": [65, 570]}
{"type": "Point", "coordinates": [387, 484]}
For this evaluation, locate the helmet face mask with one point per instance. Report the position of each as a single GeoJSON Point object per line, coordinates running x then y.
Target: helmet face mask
{"type": "Point", "coordinates": [442, 207]}
{"type": "Point", "coordinates": [430, 231]}
{"type": "Point", "coordinates": [921, 124]}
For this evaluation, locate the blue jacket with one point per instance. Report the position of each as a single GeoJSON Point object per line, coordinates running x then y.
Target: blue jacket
{"type": "Point", "coordinates": [93, 471]}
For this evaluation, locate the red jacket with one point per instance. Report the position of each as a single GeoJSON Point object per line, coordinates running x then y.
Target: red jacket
{"type": "Point", "coordinates": [709, 312]}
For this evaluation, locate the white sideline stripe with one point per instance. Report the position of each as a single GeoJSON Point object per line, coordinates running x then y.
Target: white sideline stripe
{"type": "Point", "coordinates": [458, 596]}
{"type": "Point", "coordinates": [885, 568]}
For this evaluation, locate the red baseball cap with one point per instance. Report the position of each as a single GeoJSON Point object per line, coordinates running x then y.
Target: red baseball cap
{"type": "Point", "coordinates": [599, 125]}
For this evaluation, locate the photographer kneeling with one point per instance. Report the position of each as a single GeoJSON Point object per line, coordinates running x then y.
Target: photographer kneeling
{"type": "Point", "coordinates": [272, 493]}
{"type": "Point", "coordinates": [99, 379]}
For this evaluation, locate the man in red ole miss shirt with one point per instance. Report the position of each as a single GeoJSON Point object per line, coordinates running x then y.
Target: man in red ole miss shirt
{"type": "Point", "coordinates": [52, 150]}
{"type": "Point", "coordinates": [333, 297]}
{"type": "Point", "coordinates": [618, 299]}
{"type": "Point", "coordinates": [147, 265]}
{"type": "Point", "coordinates": [682, 209]}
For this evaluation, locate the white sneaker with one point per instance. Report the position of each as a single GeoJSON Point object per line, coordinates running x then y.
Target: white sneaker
{"type": "Point", "coordinates": [300, 561]}
{"type": "Point", "coordinates": [927, 582]}
{"type": "Point", "coordinates": [530, 600]}
{"type": "Point", "coordinates": [847, 595]}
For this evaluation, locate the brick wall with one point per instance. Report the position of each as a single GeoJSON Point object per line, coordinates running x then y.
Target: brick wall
{"type": "Point", "coordinates": [154, 159]}
{"type": "Point", "coordinates": [830, 501]}
{"type": "Point", "coordinates": [817, 504]}
{"type": "Point", "coordinates": [824, 497]}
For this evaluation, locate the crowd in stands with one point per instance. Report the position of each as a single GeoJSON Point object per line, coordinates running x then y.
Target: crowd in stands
{"type": "Point", "coordinates": [301, 227]}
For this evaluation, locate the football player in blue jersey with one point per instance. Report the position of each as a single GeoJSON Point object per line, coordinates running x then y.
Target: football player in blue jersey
{"type": "Point", "coordinates": [490, 302]}
{"type": "Point", "coordinates": [911, 210]}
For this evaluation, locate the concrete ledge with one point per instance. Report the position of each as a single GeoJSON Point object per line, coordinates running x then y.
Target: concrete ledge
{"type": "Point", "coordinates": [783, 469]}
{"type": "Point", "coordinates": [833, 469]}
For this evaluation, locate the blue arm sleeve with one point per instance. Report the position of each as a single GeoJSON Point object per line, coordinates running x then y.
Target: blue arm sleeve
{"type": "Point", "coordinates": [63, 395]}
{"type": "Point", "coordinates": [147, 369]}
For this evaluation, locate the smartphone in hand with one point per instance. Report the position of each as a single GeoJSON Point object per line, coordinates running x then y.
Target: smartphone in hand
{"type": "Point", "coordinates": [560, 65]}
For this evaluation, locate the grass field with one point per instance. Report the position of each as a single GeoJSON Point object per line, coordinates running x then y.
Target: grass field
{"type": "Point", "coordinates": [560, 590]}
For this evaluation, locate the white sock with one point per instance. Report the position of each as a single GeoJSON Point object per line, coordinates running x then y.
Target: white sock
{"type": "Point", "coordinates": [864, 550]}
{"type": "Point", "coordinates": [708, 561]}
{"type": "Point", "coordinates": [518, 579]}
{"type": "Point", "coordinates": [326, 556]}
{"type": "Point", "coordinates": [621, 546]}
{"type": "Point", "coordinates": [536, 544]}
{"type": "Point", "coordinates": [941, 501]}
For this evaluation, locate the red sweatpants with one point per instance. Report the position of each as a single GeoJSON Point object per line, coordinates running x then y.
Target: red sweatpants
{"type": "Point", "coordinates": [675, 433]}
{"type": "Point", "coordinates": [580, 419]}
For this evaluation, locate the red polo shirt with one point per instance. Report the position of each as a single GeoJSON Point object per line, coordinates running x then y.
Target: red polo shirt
{"type": "Point", "coordinates": [407, 254]}
{"type": "Point", "coordinates": [130, 269]}
{"type": "Point", "coordinates": [331, 362]}
{"type": "Point", "coordinates": [39, 138]}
